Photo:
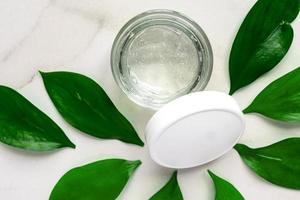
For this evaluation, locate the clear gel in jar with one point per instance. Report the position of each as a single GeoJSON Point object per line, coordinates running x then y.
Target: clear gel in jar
{"type": "Point", "coordinates": [160, 55]}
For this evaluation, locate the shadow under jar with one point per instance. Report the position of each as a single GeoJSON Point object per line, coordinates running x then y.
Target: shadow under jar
{"type": "Point", "coordinates": [160, 55]}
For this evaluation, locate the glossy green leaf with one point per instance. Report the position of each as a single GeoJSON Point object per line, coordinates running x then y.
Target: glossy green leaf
{"type": "Point", "coordinates": [103, 179]}
{"type": "Point", "coordinates": [278, 163]}
{"type": "Point", "coordinates": [280, 100]}
{"type": "Point", "coordinates": [171, 191]}
{"type": "Point", "coordinates": [24, 126]}
{"type": "Point", "coordinates": [86, 106]}
{"type": "Point", "coordinates": [224, 189]}
{"type": "Point", "coordinates": [262, 40]}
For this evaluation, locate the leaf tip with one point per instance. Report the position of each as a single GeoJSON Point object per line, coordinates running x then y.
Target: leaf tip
{"type": "Point", "coordinates": [136, 140]}
{"type": "Point", "coordinates": [247, 110]}
{"type": "Point", "coordinates": [137, 162]}
{"type": "Point", "coordinates": [174, 175]}
{"type": "Point", "coordinates": [41, 72]}
{"type": "Point", "coordinates": [231, 91]}
{"type": "Point", "coordinates": [72, 145]}
{"type": "Point", "coordinates": [135, 137]}
{"type": "Point", "coordinates": [237, 146]}
{"type": "Point", "coordinates": [68, 144]}
{"type": "Point", "coordinates": [211, 174]}
{"type": "Point", "coordinates": [140, 143]}
{"type": "Point", "coordinates": [133, 165]}
{"type": "Point", "coordinates": [241, 148]}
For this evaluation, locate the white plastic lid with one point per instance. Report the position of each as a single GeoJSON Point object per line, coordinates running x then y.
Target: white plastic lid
{"type": "Point", "coordinates": [194, 129]}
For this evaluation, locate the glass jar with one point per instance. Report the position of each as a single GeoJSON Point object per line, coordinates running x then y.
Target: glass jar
{"type": "Point", "coordinates": [160, 55]}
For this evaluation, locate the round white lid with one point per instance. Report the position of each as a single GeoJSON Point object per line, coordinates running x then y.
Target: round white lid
{"type": "Point", "coordinates": [194, 129]}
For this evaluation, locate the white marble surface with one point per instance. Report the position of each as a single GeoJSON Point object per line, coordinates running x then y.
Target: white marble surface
{"type": "Point", "coordinates": [77, 36]}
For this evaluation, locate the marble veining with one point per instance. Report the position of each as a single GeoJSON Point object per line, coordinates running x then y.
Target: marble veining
{"type": "Point", "coordinates": [8, 54]}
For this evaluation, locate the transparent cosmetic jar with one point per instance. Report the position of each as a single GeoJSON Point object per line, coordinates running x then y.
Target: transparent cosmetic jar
{"type": "Point", "coordinates": [160, 55]}
{"type": "Point", "coordinates": [163, 60]}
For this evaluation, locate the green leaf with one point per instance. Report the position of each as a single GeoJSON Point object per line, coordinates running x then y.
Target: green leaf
{"type": "Point", "coordinates": [224, 189]}
{"type": "Point", "coordinates": [104, 179]}
{"type": "Point", "coordinates": [278, 163]}
{"type": "Point", "coordinates": [280, 100]}
{"type": "Point", "coordinates": [262, 40]}
{"type": "Point", "coordinates": [86, 106]}
{"type": "Point", "coordinates": [24, 126]}
{"type": "Point", "coordinates": [171, 191]}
